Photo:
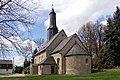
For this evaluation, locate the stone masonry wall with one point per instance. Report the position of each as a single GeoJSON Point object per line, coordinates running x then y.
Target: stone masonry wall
{"type": "Point", "coordinates": [77, 64]}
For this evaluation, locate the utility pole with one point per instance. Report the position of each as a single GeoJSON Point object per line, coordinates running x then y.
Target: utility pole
{"type": "Point", "coordinates": [13, 65]}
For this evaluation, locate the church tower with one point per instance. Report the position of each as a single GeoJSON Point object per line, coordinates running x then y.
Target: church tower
{"type": "Point", "coordinates": [52, 30]}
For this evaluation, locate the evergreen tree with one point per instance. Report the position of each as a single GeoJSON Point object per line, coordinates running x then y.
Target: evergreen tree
{"type": "Point", "coordinates": [33, 55]}
{"type": "Point", "coordinates": [110, 58]}
{"type": "Point", "coordinates": [26, 63]}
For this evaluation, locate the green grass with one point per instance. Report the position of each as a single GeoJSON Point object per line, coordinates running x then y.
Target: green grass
{"type": "Point", "coordinates": [103, 75]}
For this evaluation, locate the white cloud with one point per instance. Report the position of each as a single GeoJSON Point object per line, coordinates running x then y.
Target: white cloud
{"type": "Point", "coordinates": [26, 46]}
{"type": "Point", "coordinates": [28, 43]}
{"type": "Point", "coordinates": [104, 22]}
{"type": "Point", "coordinates": [18, 40]}
{"type": "Point", "coordinates": [74, 13]}
{"type": "Point", "coordinates": [19, 60]}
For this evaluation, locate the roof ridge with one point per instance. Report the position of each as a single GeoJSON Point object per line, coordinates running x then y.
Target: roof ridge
{"type": "Point", "coordinates": [49, 42]}
{"type": "Point", "coordinates": [58, 49]}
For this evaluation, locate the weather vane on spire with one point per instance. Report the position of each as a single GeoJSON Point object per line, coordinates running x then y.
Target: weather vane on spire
{"type": "Point", "coordinates": [52, 5]}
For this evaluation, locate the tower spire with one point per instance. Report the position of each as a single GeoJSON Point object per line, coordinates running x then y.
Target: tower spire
{"type": "Point", "coordinates": [52, 30]}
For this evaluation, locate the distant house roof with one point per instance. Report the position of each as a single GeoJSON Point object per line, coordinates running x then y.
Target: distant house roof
{"type": "Point", "coordinates": [48, 61]}
{"type": "Point", "coordinates": [5, 61]}
{"type": "Point", "coordinates": [62, 44]}
{"type": "Point", "coordinates": [45, 46]}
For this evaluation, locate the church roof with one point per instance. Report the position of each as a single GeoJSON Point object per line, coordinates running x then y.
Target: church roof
{"type": "Point", "coordinates": [48, 61]}
{"type": "Point", "coordinates": [62, 44]}
{"type": "Point", "coordinates": [45, 46]}
{"type": "Point", "coordinates": [76, 50]}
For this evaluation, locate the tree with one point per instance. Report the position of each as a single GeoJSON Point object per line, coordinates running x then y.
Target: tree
{"type": "Point", "coordinates": [91, 34]}
{"type": "Point", "coordinates": [26, 63]}
{"type": "Point", "coordinates": [18, 69]}
{"type": "Point", "coordinates": [14, 15]}
{"type": "Point", "coordinates": [33, 55]}
{"type": "Point", "coordinates": [39, 43]}
{"type": "Point", "coordinates": [111, 58]}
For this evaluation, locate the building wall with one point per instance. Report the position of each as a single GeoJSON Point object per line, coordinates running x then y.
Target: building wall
{"type": "Point", "coordinates": [6, 67]}
{"type": "Point", "coordinates": [40, 57]}
{"type": "Point", "coordinates": [78, 65]}
{"type": "Point", "coordinates": [34, 69]}
{"type": "Point", "coordinates": [40, 70]}
{"type": "Point", "coordinates": [60, 64]}
{"type": "Point", "coordinates": [45, 69]}
{"type": "Point", "coordinates": [5, 71]}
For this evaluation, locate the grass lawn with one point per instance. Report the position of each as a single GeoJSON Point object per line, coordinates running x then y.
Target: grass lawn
{"type": "Point", "coordinates": [103, 75]}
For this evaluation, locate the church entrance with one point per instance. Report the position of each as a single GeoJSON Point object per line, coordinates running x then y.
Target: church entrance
{"type": "Point", "coordinates": [52, 69]}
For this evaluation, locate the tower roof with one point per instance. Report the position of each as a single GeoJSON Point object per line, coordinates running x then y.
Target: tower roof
{"type": "Point", "coordinates": [52, 11]}
{"type": "Point", "coordinates": [48, 61]}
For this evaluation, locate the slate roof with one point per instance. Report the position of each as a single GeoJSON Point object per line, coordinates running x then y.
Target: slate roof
{"type": "Point", "coordinates": [76, 49]}
{"type": "Point", "coordinates": [48, 61]}
{"type": "Point", "coordinates": [52, 11]}
{"type": "Point", "coordinates": [45, 46]}
{"type": "Point", "coordinates": [62, 44]}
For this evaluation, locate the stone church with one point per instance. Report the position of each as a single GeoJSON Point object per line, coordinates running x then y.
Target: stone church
{"type": "Point", "coordinates": [61, 54]}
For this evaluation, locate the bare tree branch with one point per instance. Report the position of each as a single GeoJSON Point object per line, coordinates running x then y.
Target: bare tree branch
{"type": "Point", "coordinates": [91, 34]}
{"type": "Point", "coordinates": [4, 4]}
{"type": "Point", "coordinates": [14, 15]}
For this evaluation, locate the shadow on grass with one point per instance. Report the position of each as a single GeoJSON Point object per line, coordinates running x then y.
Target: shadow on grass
{"type": "Point", "coordinates": [98, 70]}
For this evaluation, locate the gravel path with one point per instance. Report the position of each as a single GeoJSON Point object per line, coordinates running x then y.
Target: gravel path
{"type": "Point", "coordinates": [13, 75]}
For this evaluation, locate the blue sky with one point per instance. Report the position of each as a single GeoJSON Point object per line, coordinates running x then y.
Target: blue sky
{"type": "Point", "coordinates": [39, 29]}
{"type": "Point", "coordinates": [70, 10]}
{"type": "Point", "coordinates": [71, 15]}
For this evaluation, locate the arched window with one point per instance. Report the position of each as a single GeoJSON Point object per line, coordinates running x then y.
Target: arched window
{"type": "Point", "coordinates": [42, 58]}
{"type": "Point", "coordinates": [86, 60]}
{"type": "Point", "coordinates": [39, 59]}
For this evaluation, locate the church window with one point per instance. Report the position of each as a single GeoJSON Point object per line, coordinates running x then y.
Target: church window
{"type": "Point", "coordinates": [75, 36]}
{"type": "Point", "coordinates": [75, 42]}
{"type": "Point", "coordinates": [42, 57]}
{"type": "Point", "coordinates": [62, 34]}
{"type": "Point", "coordinates": [86, 60]}
{"type": "Point", "coordinates": [39, 59]}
